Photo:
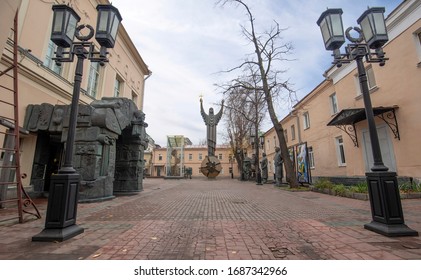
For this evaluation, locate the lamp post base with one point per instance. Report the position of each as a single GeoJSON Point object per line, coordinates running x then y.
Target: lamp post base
{"type": "Point", "coordinates": [386, 207]}
{"type": "Point", "coordinates": [391, 230]}
{"type": "Point", "coordinates": [58, 234]}
{"type": "Point", "coordinates": [60, 222]}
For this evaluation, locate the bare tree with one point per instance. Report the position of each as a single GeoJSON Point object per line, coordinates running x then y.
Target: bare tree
{"type": "Point", "coordinates": [269, 52]}
{"type": "Point", "coordinates": [237, 123]}
{"type": "Point", "coordinates": [245, 110]}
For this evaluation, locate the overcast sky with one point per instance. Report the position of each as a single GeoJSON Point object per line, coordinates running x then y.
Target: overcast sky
{"type": "Point", "coordinates": [187, 43]}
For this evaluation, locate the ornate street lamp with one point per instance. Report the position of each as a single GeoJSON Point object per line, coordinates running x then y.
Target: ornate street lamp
{"type": "Point", "coordinates": [65, 20]}
{"type": "Point", "coordinates": [60, 221]}
{"type": "Point", "coordinates": [386, 208]}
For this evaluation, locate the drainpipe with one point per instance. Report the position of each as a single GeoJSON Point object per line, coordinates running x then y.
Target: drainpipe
{"type": "Point", "coordinates": [143, 89]}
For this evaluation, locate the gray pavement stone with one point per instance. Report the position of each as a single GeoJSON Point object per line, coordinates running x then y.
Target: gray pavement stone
{"type": "Point", "coordinates": [226, 219]}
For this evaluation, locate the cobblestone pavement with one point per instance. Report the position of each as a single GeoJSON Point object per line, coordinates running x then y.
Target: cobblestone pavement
{"type": "Point", "coordinates": [217, 219]}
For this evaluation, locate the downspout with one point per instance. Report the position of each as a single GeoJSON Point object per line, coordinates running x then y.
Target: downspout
{"type": "Point", "coordinates": [143, 89]}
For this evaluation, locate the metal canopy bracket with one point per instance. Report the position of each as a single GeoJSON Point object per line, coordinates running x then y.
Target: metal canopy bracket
{"type": "Point", "coordinates": [346, 119]}
{"type": "Point", "coordinates": [350, 130]}
{"type": "Point", "coordinates": [389, 118]}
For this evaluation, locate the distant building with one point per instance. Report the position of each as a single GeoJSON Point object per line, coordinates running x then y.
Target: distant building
{"type": "Point", "coordinates": [193, 157]}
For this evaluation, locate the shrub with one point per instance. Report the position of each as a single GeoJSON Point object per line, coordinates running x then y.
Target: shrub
{"type": "Point", "coordinates": [406, 187]}
{"type": "Point", "coordinates": [340, 190]}
{"type": "Point", "coordinates": [324, 184]}
{"type": "Point", "coordinates": [360, 188]}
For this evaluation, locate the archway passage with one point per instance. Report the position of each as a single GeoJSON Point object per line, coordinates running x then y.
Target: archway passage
{"type": "Point", "coordinates": [108, 149]}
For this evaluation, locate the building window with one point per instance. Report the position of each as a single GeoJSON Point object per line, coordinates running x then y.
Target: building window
{"type": "Point", "coordinates": [310, 157]}
{"type": "Point", "coordinates": [292, 132]}
{"type": "Point", "coordinates": [340, 151]}
{"type": "Point", "coordinates": [286, 135]}
{"type": "Point", "coordinates": [190, 157]}
{"type": "Point", "coordinates": [333, 104]}
{"type": "Point", "coordinates": [118, 85]}
{"type": "Point", "coordinates": [159, 157]}
{"type": "Point", "coordinates": [274, 140]}
{"type": "Point", "coordinates": [200, 156]}
{"type": "Point", "coordinates": [220, 156]}
{"type": "Point", "coordinates": [306, 119]}
{"type": "Point", "coordinates": [371, 80]}
{"type": "Point", "coordinates": [93, 79]}
{"type": "Point", "coordinates": [49, 62]}
{"type": "Point", "coordinates": [134, 97]}
{"type": "Point", "coordinates": [418, 46]}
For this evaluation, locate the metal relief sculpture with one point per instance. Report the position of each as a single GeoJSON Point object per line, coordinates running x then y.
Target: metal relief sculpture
{"type": "Point", "coordinates": [211, 166]}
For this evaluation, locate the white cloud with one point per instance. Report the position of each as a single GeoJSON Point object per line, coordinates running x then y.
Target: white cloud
{"type": "Point", "coordinates": [185, 42]}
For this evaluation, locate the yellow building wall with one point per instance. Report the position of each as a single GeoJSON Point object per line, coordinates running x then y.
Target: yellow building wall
{"type": "Point", "coordinates": [397, 84]}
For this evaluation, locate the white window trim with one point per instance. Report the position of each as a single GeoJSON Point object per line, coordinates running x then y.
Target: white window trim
{"type": "Point", "coordinates": [306, 120]}
{"type": "Point", "coordinates": [292, 132]}
{"type": "Point", "coordinates": [371, 88]}
{"type": "Point", "coordinates": [93, 87]}
{"type": "Point", "coordinates": [311, 161]}
{"type": "Point", "coordinates": [120, 86]}
{"type": "Point", "coordinates": [333, 99]}
{"type": "Point", "coordinates": [338, 151]}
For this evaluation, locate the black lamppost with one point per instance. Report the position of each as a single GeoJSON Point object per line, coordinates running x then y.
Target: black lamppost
{"type": "Point", "coordinates": [231, 160]}
{"type": "Point", "coordinates": [60, 222]}
{"type": "Point", "coordinates": [254, 141]}
{"type": "Point", "coordinates": [386, 207]}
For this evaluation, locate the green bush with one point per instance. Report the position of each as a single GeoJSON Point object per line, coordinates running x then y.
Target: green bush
{"type": "Point", "coordinates": [324, 184]}
{"type": "Point", "coordinates": [406, 187]}
{"type": "Point", "coordinates": [360, 188]}
{"type": "Point", "coordinates": [340, 190]}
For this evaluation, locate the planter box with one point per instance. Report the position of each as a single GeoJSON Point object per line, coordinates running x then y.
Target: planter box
{"type": "Point", "coordinates": [410, 195]}
{"type": "Point", "coordinates": [360, 196]}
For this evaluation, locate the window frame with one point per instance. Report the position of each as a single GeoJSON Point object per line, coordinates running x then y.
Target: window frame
{"type": "Point", "coordinates": [293, 132]}
{"type": "Point", "coordinates": [334, 108]}
{"type": "Point", "coordinates": [311, 161]}
{"type": "Point", "coordinates": [93, 79]}
{"type": "Point", "coordinates": [417, 38]}
{"type": "Point", "coordinates": [340, 151]}
{"type": "Point", "coordinates": [306, 120]}
{"type": "Point", "coordinates": [49, 62]}
{"type": "Point", "coordinates": [135, 97]}
{"type": "Point", "coordinates": [118, 84]}
{"type": "Point", "coordinates": [371, 78]}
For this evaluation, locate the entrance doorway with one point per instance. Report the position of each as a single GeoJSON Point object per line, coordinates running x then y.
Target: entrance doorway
{"type": "Point", "coordinates": [386, 147]}
{"type": "Point", "coordinates": [47, 160]}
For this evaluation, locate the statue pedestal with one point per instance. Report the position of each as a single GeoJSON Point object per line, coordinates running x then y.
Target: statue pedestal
{"type": "Point", "coordinates": [211, 166]}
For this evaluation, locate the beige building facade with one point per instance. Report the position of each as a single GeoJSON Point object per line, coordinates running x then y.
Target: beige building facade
{"type": "Point", "coordinates": [330, 120]}
{"type": "Point", "coordinates": [41, 81]}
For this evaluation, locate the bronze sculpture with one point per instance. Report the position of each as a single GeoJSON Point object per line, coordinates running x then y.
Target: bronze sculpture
{"type": "Point", "coordinates": [210, 165]}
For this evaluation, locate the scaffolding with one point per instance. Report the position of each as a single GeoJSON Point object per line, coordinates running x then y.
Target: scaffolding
{"type": "Point", "coordinates": [13, 196]}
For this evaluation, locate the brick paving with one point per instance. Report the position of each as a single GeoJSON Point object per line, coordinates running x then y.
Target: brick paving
{"type": "Point", "coordinates": [220, 219]}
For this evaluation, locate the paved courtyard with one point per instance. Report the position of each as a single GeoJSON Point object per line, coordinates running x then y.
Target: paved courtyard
{"type": "Point", "coordinates": [217, 219]}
